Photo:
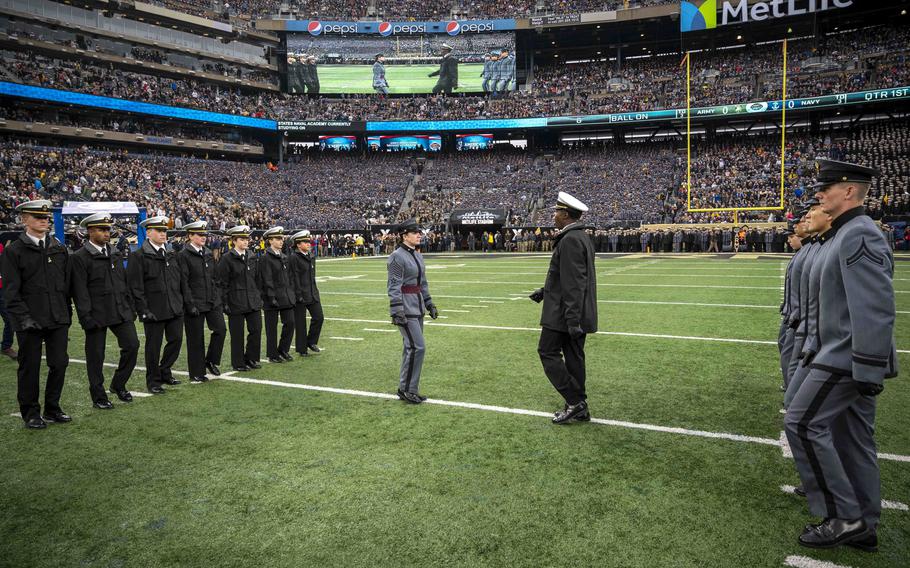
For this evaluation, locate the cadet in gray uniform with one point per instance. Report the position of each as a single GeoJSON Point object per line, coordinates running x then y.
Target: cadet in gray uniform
{"type": "Point", "coordinates": [790, 306]}
{"type": "Point", "coordinates": [831, 421]}
{"type": "Point", "coordinates": [817, 224]}
{"type": "Point", "coordinates": [380, 83]}
{"type": "Point", "coordinates": [409, 301]}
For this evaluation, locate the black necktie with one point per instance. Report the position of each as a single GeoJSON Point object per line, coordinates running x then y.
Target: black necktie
{"type": "Point", "coordinates": [41, 244]}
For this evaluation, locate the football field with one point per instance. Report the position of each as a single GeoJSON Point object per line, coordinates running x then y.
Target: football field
{"type": "Point", "coordinates": [402, 79]}
{"type": "Point", "coordinates": [316, 463]}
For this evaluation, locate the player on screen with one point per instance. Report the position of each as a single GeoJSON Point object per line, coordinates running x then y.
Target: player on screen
{"type": "Point", "coordinates": [380, 84]}
{"type": "Point", "coordinates": [448, 72]}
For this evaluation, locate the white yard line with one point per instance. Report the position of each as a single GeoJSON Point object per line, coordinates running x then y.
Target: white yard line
{"type": "Point", "coordinates": [473, 306]}
{"type": "Point", "coordinates": [785, 446]}
{"type": "Point", "coordinates": [507, 410]}
{"type": "Point", "coordinates": [458, 311]}
{"type": "Point", "coordinates": [348, 338]}
{"type": "Point", "coordinates": [806, 562]}
{"type": "Point", "coordinates": [896, 505]}
{"type": "Point", "coordinates": [380, 330]}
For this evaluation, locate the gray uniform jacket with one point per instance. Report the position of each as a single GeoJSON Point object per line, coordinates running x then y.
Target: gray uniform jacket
{"type": "Point", "coordinates": [379, 75]}
{"type": "Point", "coordinates": [789, 310]}
{"type": "Point", "coordinates": [409, 292]}
{"type": "Point", "coordinates": [807, 301]}
{"type": "Point", "coordinates": [570, 294]}
{"type": "Point", "coordinates": [487, 72]}
{"type": "Point", "coordinates": [855, 319]}
{"type": "Point", "coordinates": [506, 68]}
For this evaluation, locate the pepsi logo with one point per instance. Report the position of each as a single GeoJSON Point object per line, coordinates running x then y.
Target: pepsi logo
{"type": "Point", "coordinates": [453, 28]}
{"type": "Point", "coordinates": [314, 27]}
{"type": "Point", "coordinates": [385, 29]}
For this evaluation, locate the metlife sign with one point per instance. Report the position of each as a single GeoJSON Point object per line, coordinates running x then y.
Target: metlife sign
{"type": "Point", "coordinates": [695, 15]}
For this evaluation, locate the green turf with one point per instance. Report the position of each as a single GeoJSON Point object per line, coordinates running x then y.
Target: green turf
{"type": "Point", "coordinates": [238, 474]}
{"type": "Point", "coordinates": [403, 79]}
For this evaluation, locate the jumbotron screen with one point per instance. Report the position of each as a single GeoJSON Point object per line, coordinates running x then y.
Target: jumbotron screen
{"type": "Point", "coordinates": [473, 141]}
{"type": "Point", "coordinates": [345, 143]}
{"type": "Point", "coordinates": [429, 143]}
{"type": "Point", "coordinates": [412, 64]}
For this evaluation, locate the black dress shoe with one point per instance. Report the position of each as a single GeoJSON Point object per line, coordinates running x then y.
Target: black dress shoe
{"type": "Point", "coordinates": [276, 360]}
{"type": "Point", "coordinates": [103, 404]}
{"type": "Point", "coordinates": [157, 390]}
{"type": "Point", "coordinates": [124, 395]}
{"type": "Point", "coordinates": [800, 491]}
{"type": "Point", "coordinates": [253, 365]}
{"type": "Point", "coordinates": [314, 348]}
{"type": "Point", "coordinates": [212, 368]}
{"type": "Point", "coordinates": [868, 543]}
{"type": "Point", "coordinates": [570, 412]}
{"type": "Point", "coordinates": [35, 423]}
{"type": "Point", "coordinates": [303, 354]}
{"type": "Point", "coordinates": [58, 417]}
{"type": "Point", "coordinates": [170, 381]}
{"type": "Point", "coordinates": [199, 379]}
{"type": "Point", "coordinates": [583, 416]}
{"type": "Point", "coordinates": [286, 356]}
{"type": "Point", "coordinates": [833, 532]}
{"type": "Point", "coordinates": [242, 368]}
{"type": "Point", "coordinates": [410, 397]}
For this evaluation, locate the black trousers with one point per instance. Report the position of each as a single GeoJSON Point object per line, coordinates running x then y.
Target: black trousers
{"type": "Point", "coordinates": [253, 324]}
{"type": "Point", "coordinates": [157, 370]}
{"type": "Point", "coordinates": [274, 345]}
{"type": "Point", "coordinates": [30, 343]}
{"type": "Point", "coordinates": [95, 343]}
{"type": "Point", "coordinates": [196, 354]}
{"type": "Point", "coordinates": [567, 376]}
{"type": "Point", "coordinates": [304, 339]}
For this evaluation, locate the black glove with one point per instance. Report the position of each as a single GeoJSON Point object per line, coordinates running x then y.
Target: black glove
{"type": "Point", "coordinates": [434, 313]}
{"type": "Point", "coordinates": [399, 319]}
{"type": "Point", "coordinates": [576, 332]}
{"type": "Point", "coordinates": [273, 303]}
{"type": "Point", "coordinates": [537, 295]}
{"type": "Point", "coordinates": [193, 311]}
{"type": "Point", "coordinates": [148, 316]}
{"type": "Point", "coordinates": [795, 324]}
{"type": "Point", "coordinates": [868, 389]}
{"type": "Point", "coordinates": [226, 309]}
{"type": "Point", "coordinates": [89, 324]}
{"type": "Point", "coordinates": [28, 324]}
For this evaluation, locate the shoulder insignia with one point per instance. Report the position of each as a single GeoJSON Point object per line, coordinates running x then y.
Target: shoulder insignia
{"type": "Point", "coordinates": [864, 252]}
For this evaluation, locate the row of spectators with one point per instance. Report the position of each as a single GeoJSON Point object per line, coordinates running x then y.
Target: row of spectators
{"type": "Point", "coordinates": [836, 64]}
{"type": "Point", "coordinates": [400, 10]}
{"type": "Point", "coordinates": [635, 182]}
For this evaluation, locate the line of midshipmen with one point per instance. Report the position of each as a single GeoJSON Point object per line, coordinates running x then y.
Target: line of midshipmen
{"type": "Point", "coordinates": [836, 342]}
{"type": "Point", "coordinates": [170, 293]}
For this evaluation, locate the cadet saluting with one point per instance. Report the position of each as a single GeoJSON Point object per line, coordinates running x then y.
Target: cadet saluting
{"type": "Point", "coordinates": [158, 291]}
{"type": "Point", "coordinates": [203, 304]}
{"type": "Point", "coordinates": [103, 302]}
{"type": "Point", "coordinates": [831, 420]}
{"type": "Point", "coordinates": [277, 297]}
{"type": "Point", "coordinates": [35, 271]}
{"type": "Point", "coordinates": [303, 274]}
{"type": "Point", "coordinates": [236, 277]}
{"type": "Point", "coordinates": [409, 300]}
{"type": "Point", "coordinates": [569, 309]}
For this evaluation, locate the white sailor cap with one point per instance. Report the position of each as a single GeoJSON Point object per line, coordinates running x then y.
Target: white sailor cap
{"type": "Point", "coordinates": [197, 228]}
{"type": "Point", "coordinates": [39, 207]}
{"type": "Point", "coordinates": [301, 236]}
{"type": "Point", "coordinates": [566, 201]}
{"type": "Point", "coordinates": [159, 223]}
{"type": "Point", "coordinates": [274, 232]}
{"type": "Point", "coordinates": [242, 231]}
{"type": "Point", "coordinates": [447, 46]}
{"type": "Point", "coordinates": [102, 220]}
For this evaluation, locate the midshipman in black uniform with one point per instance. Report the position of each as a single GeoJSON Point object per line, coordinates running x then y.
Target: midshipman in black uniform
{"type": "Point", "coordinates": [277, 296]}
{"type": "Point", "coordinates": [306, 295]}
{"type": "Point", "coordinates": [35, 270]}
{"type": "Point", "coordinates": [104, 303]}
{"type": "Point", "coordinates": [569, 309]}
{"type": "Point", "coordinates": [203, 304]}
{"type": "Point", "coordinates": [241, 301]}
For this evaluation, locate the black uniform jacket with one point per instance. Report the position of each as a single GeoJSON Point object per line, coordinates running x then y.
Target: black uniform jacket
{"type": "Point", "coordinates": [236, 278]}
{"type": "Point", "coordinates": [448, 71]}
{"type": "Point", "coordinates": [99, 288]}
{"type": "Point", "coordinates": [570, 294]}
{"type": "Point", "coordinates": [36, 283]}
{"type": "Point", "coordinates": [199, 271]}
{"type": "Point", "coordinates": [275, 281]}
{"type": "Point", "coordinates": [156, 282]}
{"type": "Point", "coordinates": [303, 273]}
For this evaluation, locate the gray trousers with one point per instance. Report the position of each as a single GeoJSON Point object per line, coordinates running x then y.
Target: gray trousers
{"type": "Point", "coordinates": [785, 346]}
{"type": "Point", "coordinates": [412, 355]}
{"type": "Point", "coordinates": [796, 371]}
{"type": "Point", "coordinates": [830, 428]}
